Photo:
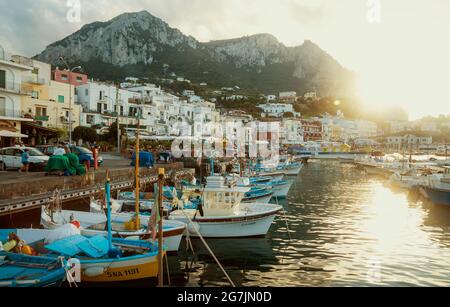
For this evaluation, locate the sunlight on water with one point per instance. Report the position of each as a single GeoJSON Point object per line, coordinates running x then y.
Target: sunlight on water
{"type": "Point", "coordinates": [345, 229]}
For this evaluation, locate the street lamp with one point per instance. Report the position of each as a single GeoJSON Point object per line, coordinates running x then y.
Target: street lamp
{"type": "Point", "coordinates": [118, 118]}
{"type": "Point", "coordinates": [70, 95]}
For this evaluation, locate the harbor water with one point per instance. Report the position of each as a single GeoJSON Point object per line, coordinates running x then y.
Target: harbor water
{"type": "Point", "coordinates": [341, 227]}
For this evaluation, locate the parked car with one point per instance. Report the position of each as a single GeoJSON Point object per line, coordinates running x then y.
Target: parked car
{"type": "Point", "coordinates": [85, 154]}
{"type": "Point", "coordinates": [11, 158]}
{"type": "Point", "coordinates": [47, 149]}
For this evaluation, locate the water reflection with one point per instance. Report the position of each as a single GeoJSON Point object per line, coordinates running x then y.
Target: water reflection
{"type": "Point", "coordinates": [344, 227]}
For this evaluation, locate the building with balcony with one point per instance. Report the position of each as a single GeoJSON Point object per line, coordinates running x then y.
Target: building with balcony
{"type": "Point", "coordinates": [12, 70]}
{"type": "Point", "coordinates": [52, 104]}
{"type": "Point", "coordinates": [73, 78]}
{"type": "Point", "coordinates": [312, 130]}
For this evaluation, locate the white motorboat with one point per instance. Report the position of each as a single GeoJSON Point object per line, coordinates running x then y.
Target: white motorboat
{"type": "Point", "coordinates": [224, 215]}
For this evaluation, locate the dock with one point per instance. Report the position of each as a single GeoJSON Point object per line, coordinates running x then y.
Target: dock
{"type": "Point", "coordinates": [33, 191]}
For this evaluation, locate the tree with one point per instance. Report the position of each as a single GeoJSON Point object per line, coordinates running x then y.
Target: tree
{"type": "Point", "coordinates": [288, 115]}
{"type": "Point", "coordinates": [111, 136]}
{"type": "Point", "coordinates": [86, 134]}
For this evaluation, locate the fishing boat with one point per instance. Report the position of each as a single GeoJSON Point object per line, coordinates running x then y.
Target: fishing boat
{"type": "Point", "coordinates": [133, 259]}
{"type": "Point", "coordinates": [145, 206]}
{"type": "Point", "coordinates": [19, 270]}
{"type": "Point", "coordinates": [405, 180]}
{"type": "Point", "coordinates": [280, 188]}
{"type": "Point", "coordinates": [223, 215]}
{"type": "Point", "coordinates": [437, 187]}
{"type": "Point", "coordinates": [261, 195]}
{"type": "Point", "coordinates": [122, 225]}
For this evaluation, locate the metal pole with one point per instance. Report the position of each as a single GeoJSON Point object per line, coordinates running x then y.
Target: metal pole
{"type": "Point", "coordinates": [160, 228]}
{"type": "Point", "coordinates": [138, 223]}
{"type": "Point", "coordinates": [70, 108]}
{"type": "Point", "coordinates": [118, 119]}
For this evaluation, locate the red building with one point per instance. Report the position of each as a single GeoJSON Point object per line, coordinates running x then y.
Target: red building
{"type": "Point", "coordinates": [312, 130]}
{"type": "Point", "coordinates": [68, 77]}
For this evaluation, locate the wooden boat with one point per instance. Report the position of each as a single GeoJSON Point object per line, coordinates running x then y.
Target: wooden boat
{"type": "Point", "coordinates": [135, 259]}
{"type": "Point", "coordinates": [95, 224]}
{"type": "Point", "coordinates": [18, 270]}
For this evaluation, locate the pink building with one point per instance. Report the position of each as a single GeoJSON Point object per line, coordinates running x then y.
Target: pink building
{"type": "Point", "coordinates": [73, 78]}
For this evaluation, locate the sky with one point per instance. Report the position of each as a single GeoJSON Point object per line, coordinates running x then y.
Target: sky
{"type": "Point", "coordinates": [400, 49]}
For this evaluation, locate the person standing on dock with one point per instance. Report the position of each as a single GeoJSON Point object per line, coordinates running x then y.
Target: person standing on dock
{"type": "Point", "coordinates": [25, 161]}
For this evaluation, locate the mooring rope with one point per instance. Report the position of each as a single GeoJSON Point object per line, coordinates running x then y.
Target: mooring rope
{"type": "Point", "coordinates": [206, 244]}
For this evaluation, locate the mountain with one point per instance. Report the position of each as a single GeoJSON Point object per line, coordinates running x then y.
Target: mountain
{"type": "Point", "coordinates": [143, 45]}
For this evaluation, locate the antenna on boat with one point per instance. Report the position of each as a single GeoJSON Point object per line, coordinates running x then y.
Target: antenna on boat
{"type": "Point", "coordinates": [160, 228]}
{"type": "Point", "coordinates": [112, 252]}
{"type": "Point", "coordinates": [136, 168]}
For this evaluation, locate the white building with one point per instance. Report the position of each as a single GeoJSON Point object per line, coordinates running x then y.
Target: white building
{"type": "Point", "coordinates": [276, 109]}
{"type": "Point", "coordinates": [408, 142]}
{"type": "Point", "coordinates": [290, 97]}
{"type": "Point", "coordinates": [367, 129]}
{"type": "Point", "coordinates": [400, 126]}
{"type": "Point", "coordinates": [271, 98]}
{"type": "Point", "coordinates": [188, 93]}
{"type": "Point", "coordinates": [235, 97]}
{"type": "Point", "coordinates": [12, 69]}
{"type": "Point", "coordinates": [310, 95]}
{"type": "Point", "coordinates": [292, 132]}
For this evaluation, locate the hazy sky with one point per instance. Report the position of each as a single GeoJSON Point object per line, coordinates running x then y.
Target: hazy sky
{"type": "Point", "coordinates": [403, 59]}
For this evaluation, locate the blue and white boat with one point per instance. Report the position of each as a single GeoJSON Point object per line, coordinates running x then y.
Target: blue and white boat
{"type": "Point", "coordinates": [18, 270]}
{"type": "Point", "coordinates": [261, 195]}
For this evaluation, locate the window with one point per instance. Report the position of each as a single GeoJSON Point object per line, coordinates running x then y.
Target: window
{"type": "Point", "coordinates": [60, 98]}
{"type": "Point", "coordinates": [41, 111]}
{"type": "Point", "coordinates": [86, 91]}
{"type": "Point", "coordinates": [35, 94]}
{"type": "Point", "coordinates": [2, 79]}
{"type": "Point", "coordinates": [79, 79]}
{"type": "Point", "coordinates": [100, 95]}
{"type": "Point", "coordinates": [90, 119]}
{"type": "Point", "coordinates": [99, 107]}
{"type": "Point", "coordinates": [64, 77]}
{"type": "Point", "coordinates": [2, 106]}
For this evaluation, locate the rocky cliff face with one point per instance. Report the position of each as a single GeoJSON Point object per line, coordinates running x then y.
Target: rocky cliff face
{"type": "Point", "coordinates": [142, 39]}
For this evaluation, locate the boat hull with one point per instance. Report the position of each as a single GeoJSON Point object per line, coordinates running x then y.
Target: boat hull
{"type": "Point", "coordinates": [281, 191]}
{"type": "Point", "coordinates": [438, 196]}
{"type": "Point", "coordinates": [294, 171]}
{"type": "Point", "coordinates": [172, 236]}
{"type": "Point", "coordinates": [252, 225]}
{"type": "Point", "coordinates": [119, 270]}
{"type": "Point", "coordinates": [261, 200]}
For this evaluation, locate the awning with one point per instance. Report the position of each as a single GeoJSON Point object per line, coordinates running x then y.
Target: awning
{"type": "Point", "coordinates": [10, 134]}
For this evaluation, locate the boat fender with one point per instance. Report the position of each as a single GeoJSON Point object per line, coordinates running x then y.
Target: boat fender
{"type": "Point", "coordinates": [94, 271]}
{"type": "Point", "coordinates": [194, 227]}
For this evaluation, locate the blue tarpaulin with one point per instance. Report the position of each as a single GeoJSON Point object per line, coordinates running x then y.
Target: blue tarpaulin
{"type": "Point", "coordinates": [145, 159]}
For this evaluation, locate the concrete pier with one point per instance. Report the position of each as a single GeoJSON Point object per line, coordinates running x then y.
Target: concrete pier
{"type": "Point", "coordinates": [31, 192]}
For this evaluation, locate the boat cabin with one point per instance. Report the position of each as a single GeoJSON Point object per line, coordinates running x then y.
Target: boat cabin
{"type": "Point", "coordinates": [222, 197]}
